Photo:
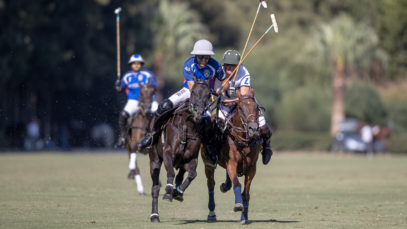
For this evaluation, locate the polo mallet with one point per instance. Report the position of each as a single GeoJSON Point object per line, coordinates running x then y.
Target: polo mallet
{"type": "Point", "coordinates": [261, 3]}
{"type": "Point", "coordinates": [275, 26]}
{"type": "Point", "coordinates": [117, 12]}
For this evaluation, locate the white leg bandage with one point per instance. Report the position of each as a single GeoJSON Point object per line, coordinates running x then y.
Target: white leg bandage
{"type": "Point", "coordinates": [131, 106]}
{"type": "Point", "coordinates": [180, 96]}
{"type": "Point", "coordinates": [154, 106]}
{"type": "Point", "coordinates": [139, 184]}
{"type": "Point", "coordinates": [132, 162]}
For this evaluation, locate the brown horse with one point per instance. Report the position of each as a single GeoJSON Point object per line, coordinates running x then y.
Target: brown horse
{"type": "Point", "coordinates": [239, 150]}
{"type": "Point", "coordinates": [137, 130]}
{"type": "Point", "coordinates": [178, 146]}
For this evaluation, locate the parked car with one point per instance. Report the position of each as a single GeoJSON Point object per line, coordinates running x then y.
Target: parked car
{"type": "Point", "coordinates": [348, 138]}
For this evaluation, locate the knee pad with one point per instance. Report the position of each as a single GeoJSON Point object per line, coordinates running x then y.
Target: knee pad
{"type": "Point", "coordinates": [164, 106]}
{"type": "Point", "coordinates": [124, 114]}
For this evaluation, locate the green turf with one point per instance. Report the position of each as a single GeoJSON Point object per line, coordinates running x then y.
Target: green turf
{"type": "Point", "coordinates": [296, 190]}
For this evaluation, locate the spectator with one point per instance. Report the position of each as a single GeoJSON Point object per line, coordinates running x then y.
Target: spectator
{"type": "Point", "coordinates": [366, 133]}
{"type": "Point", "coordinates": [33, 141]}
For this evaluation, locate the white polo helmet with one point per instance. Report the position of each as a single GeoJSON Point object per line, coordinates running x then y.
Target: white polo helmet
{"type": "Point", "coordinates": [203, 47]}
{"type": "Point", "coordinates": [136, 58]}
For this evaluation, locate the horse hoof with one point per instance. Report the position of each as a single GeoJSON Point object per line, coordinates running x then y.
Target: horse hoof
{"type": "Point", "coordinates": [155, 218]}
{"type": "Point", "coordinates": [131, 174]}
{"type": "Point", "coordinates": [178, 195]}
{"type": "Point", "coordinates": [243, 221]}
{"type": "Point", "coordinates": [179, 198]}
{"type": "Point", "coordinates": [167, 197]}
{"type": "Point", "coordinates": [224, 188]}
{"type": "Point", "coordinates": [211, 218]}
{"type": "Point", "coordinates": [238, 207]}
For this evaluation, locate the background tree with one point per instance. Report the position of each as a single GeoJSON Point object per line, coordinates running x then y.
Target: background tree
{"type": "Point", "coordinates": [343, 44]}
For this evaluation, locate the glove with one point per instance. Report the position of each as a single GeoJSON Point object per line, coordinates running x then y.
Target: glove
{"type": "Point", "coordinates": [117, 84]}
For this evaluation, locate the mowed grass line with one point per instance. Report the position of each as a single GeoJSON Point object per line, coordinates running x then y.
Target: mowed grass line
{"type": "Point", "coordinates": [297, 190]}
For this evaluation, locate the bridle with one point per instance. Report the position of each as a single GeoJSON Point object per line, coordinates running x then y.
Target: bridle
{"type": "Point", "coordinates": [191, 106]}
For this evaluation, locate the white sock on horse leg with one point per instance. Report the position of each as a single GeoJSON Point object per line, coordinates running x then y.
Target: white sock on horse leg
{"type": "Point", "coordinates": [132, 162]}
{"type": "Point", "coordinates": [139, 184]}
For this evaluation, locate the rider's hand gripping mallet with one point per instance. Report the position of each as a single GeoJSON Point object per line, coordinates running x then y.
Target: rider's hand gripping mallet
{"type": "Point", "coordinates": [117, 12]}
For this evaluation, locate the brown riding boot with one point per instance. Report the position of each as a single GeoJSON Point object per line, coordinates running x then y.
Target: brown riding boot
{"type": "Point", "coordinates": [265, 132]}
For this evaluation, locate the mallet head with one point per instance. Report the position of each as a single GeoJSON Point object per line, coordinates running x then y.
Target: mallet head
{"type": "Point", "coordinates": [273, 19]}
{"type": "Point", "coordinates": [118, 10]}
{"type": "Point", "coordinates": [263, 3]}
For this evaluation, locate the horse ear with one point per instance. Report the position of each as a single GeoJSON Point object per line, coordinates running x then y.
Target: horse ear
{"type": "Point", "coordinates": [251, 92]}
{"type": "Point", "coordinates": [149, 84]}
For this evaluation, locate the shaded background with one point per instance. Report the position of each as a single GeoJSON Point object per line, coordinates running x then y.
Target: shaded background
{"type": "Point", "coordinates": [57, 61]}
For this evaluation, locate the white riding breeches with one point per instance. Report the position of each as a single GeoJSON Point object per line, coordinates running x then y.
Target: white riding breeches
{"type": "Point", "coordinates": [132, 106]}
{"type": "Point", "coordinates": [180, 96]}
{"type": "Point", "coordinates": [224, 112]}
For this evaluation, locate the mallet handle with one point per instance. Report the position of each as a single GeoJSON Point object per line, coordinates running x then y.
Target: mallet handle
{"type": "Point", "coordinates": [243, 59]}
{"type": "Point", "coordinates": [118, 44]}
{"type": "Point", "coordinates": [247, 40]}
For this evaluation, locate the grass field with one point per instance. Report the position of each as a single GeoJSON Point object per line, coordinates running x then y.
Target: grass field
{"type": "Point", "coordinates": [297, 190]}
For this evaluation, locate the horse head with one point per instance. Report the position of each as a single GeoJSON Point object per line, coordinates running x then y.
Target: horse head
{"type": "Point", "coordinates": [146, 96]}
{"type": "Point", "coordinates": [199, 100]}
{"type": "Point", "coordinates": [249, 114]}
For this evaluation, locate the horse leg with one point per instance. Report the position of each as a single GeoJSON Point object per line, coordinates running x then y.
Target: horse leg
{"type": "Point", "coordinates": [168, 163]}
{"type": "Point", "coordinates": [244, 219]}
{"type": "Point", "coordinates": [210, 181]}
{"type": "Point", "coordinates": [232, 171]}
{"type": "Point", "coordinates": [177, 194]}
{"type": "Point", "coordinates": [132, 165]}
{"type": "Point", "coordinates": [224, 187]}
{"type": "Point", "coordinates": [191, 168]}
{"type": "Point", "coordinates": [139, 183]}
{"type": "Point", "coordinates": [155, 165]}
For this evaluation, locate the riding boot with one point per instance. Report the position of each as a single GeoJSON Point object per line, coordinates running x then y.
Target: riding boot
{"type": "Point", "coordinates": [265, 132]}
{"type": "Point", "coordinates": [151, 132]}
{"type": "Point", "coordinates": [123, 129]}
{"type": "Point", "coordinates": [155, 126]}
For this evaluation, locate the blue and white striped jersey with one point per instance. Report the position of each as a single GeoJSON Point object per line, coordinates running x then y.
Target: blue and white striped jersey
{"type": "Point", "coordinates": [131, 82]}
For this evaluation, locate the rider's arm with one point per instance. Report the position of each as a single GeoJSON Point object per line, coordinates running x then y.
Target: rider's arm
{"type": "Point", "coordinates": [190, 84]}
{"type": "Point", "coordinates": [120, 87]}
{"type": "Point", "coordinates": [244, 90]}
{"type": "Point", "coordinates": [219, 74]}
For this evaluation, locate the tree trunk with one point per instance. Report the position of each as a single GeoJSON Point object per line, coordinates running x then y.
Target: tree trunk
{"type": "Point", "coordinates": [157, 67]}
{"type": "Point", "coordinates": [338, 87]}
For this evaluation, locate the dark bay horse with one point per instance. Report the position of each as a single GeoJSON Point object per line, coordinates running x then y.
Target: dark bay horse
{"type": "Point", "coordinates": [178, 147]}
{"type": "Point", "coordinates": [239, 150]}
{"type": "Point", "coordinates": [137, 130]}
